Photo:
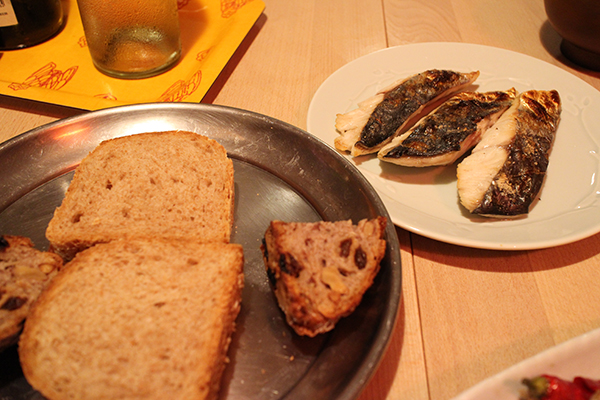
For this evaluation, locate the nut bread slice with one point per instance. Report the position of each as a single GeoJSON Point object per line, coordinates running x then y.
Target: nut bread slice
{"type": "Point", "coordinates": [169, 184]}
{"type": "Point", "coordinates": [135, 319]}
{"type": "Point", "coordinates": [320, 271]}
{"type": "Point", "coordinates": [24, 272]}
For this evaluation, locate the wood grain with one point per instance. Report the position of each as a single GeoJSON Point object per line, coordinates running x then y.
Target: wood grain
{"type": "Point", "coordinates": [465, 314]}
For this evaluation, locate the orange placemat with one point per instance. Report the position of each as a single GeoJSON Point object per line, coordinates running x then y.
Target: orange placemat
{"type": "Point", "coordinates": [60, 71]}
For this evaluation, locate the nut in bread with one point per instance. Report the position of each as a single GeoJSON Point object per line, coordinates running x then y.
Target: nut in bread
{"type": "Point", "coordinates": [320, 271]}
{"type": "Point", "coordinates": [24, 272]}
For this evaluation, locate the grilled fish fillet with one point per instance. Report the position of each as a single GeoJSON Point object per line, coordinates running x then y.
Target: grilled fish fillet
{"type": "Point", "coordinates": [378, 119]}
{"type": "Point", "coordinates": [505, 172]}
{"type": "Point", "coordinates": [449, 131]}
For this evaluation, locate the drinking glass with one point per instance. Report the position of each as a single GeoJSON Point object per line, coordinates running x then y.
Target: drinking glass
{"type": "Point", "coordinates": [131, 39]}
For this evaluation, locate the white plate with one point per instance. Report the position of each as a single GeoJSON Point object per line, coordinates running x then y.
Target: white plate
{"type": "Point", "coordinates": [576, 357]}
{"type": "Point", "coordinates": [425, 201]}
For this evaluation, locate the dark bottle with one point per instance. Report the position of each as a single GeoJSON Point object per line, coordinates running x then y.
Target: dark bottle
{"type": "Point", "coordinates": [25, 23]}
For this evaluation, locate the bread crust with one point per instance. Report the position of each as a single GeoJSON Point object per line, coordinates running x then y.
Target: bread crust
{"type": "Point", "coordinates": [136, 319]}
{"type": "Point", "coordinates": [320, 271]}
{"type": "Point", "coordinates": [24, 272]}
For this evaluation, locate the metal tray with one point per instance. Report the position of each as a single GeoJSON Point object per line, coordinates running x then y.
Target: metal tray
{"type": "Point", "coordinates": [281, 172]}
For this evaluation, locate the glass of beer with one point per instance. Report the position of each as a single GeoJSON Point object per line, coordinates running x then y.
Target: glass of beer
{"type": "Point", "coordinates": [131, 39]}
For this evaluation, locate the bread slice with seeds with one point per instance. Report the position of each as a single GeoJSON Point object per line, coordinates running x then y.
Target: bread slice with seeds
{"type": "Point", "coordinates": [135, 319]}
{"type": "Point", "coordinates": [168, 184]}
{"type": "Point", "coordinates": [319, 271]}
{"type": "Point", "coordinates": [24, 272]}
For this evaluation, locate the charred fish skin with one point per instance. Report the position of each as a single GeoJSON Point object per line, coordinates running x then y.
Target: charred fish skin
{"type": "Point", "coordinates": [449, 131]}
{"type": "Point", "coordinates": [395, 106]}
{"type": "Point", "coordinates": [403, 101]}
{"type": "Point", "coordinates": [517, 183]}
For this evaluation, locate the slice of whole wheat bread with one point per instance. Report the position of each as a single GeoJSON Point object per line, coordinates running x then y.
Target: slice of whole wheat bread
{"type": "Point", "coordinates": [135, 319]}
{"type": "Point", "coordinates": [24, 272]}
{"type": "Point", "coordinates": [169, 184]}
{"type": "Point", "coordinates": [320, 271]}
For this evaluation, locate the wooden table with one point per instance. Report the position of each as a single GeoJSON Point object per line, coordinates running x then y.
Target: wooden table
{"type": "Point", "coordinates": [466, 314]}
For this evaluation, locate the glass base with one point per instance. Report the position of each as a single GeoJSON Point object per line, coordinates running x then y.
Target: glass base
{"type": "Point", "coordinates": [140, 73]}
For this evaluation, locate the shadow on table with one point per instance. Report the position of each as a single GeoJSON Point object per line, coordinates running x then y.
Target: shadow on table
{"type": "Point", "coordinates": [551, 40]}
{"type": "Point", "coordinates": [505, 261]}
{"type": "Point", "coordinates": [218, 84]}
